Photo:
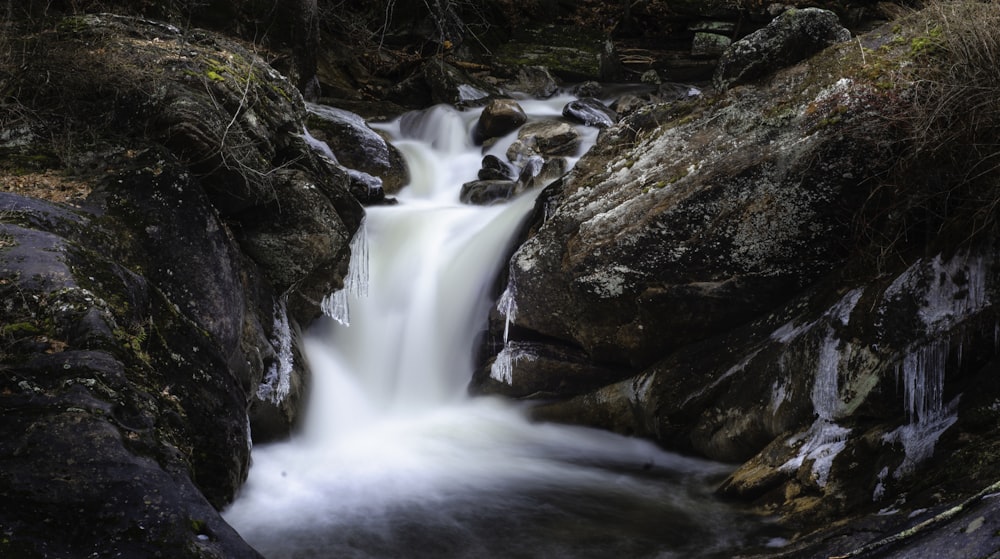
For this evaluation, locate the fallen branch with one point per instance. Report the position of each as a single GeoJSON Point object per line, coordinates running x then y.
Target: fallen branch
{"type": "Point", "coordinates": [923, 526]}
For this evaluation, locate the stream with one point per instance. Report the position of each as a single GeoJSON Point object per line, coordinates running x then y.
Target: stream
{"type": "Point", "coordinates": [394, 459]}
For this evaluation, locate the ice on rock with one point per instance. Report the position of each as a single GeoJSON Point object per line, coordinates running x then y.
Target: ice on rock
{"type": "Point", "coordinates": [507, 306]}
{"type": "Point", "coordinates": [502, 369]}
{"type": "Point", "coordinates": [277, 382]}
{"type": "Point", "coordinates": [923, 372]}
{"type": "Point", "coordinates": [336, 305]}
{"type": "Point", "coordinates": [373, 183]}
{"type": "Point", "coordinates": [825, 439]}
{"type": "Point", "coordinates": [949, 292]}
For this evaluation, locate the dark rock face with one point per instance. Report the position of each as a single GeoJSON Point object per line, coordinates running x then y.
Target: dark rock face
{"type": "Point", "coordinates": [629, 272]}
{"type": "Point", "coordinates": [703, 251]}
{"type": "Point", "coordinates": [143, 335]}
{"type": "Point", "coordinates": [793, 36]}
{"type": "Point", "coordinates": [124, 419]}
{"type": "Point", "coordinates": [495, 169]}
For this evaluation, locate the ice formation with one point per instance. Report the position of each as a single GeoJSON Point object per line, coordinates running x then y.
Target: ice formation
{"type": "Point", "coordinates": [923, 372]}
{"type": "Point", "coordinates": [951, 291]}
{"type": "Point", "coordinates": [502, 369]}
{"type": "Point", "coordinates": [507, 306]}
{"type": "Point", "coordinates": [277, 382]}
{"type": "Point", "coordinates": [335, 305]}
{"type": "Point", "coordinates": [824, 440]}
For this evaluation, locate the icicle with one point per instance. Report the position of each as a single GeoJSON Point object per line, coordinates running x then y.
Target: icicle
{"type": "Point", "coordinates": [249, 434]}
{"type": "Point", "coordinates": [508, 308]}
{"type": "Point", "coordinates": [335, 305]}
{"type": "Point", "coordinates": [277, 383]}
{"type": "Point", "coordinates": [357, 273]}
{"type": "Point", "coordinates": [923, 381]}
{"type": "Point", "coordinates": [502, 369]}
{"type": "Point", "coordinates": [923, 372]}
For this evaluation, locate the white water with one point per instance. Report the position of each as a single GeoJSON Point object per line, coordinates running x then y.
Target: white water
{"type": "Point", "coordinates": [394, 460]}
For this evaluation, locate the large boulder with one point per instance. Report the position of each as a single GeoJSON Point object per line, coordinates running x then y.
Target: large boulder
{"type": "Point", "coordinates": [544, 137]}
{"type": "Point", "coordinates": [499, 118]}
{"type": "Point", "coordinates": [125, 395]}
{"type": "Point", "coordinates": [357, 147]}
{"type": "Point", "coordinates": [148, 327]}
{"type": "Point", "coordinates": [791, 37]}
{"type": "Point", "coordinates": [726, 256]}
{"type": "Point", "coordinates": [667, 235]}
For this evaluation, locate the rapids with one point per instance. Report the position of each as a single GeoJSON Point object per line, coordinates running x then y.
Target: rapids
{"type": "Point", "coordinates": [395, 460]}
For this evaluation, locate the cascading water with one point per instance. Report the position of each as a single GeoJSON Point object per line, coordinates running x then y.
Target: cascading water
{"type": "Point", "coordinates": [394, 460]}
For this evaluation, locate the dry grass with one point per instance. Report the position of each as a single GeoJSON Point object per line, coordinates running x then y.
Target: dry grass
{"type": "Point", "coordinates": [54, 186]}
{"type": "Point", "coordinates": [946, 188]}
{"type": "Point", "coordinates": [956, 117]}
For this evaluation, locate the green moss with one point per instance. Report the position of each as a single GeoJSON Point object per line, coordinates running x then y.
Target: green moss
{"type": "Point", "coordinates": [926, 45]}
{"type": "Point", "coordinates": [22, 163]}
{"type": "Point", "coordinates": [214, 76]}
{"type": "Point", "coordinates": [74, 24]}
{"type": "Point", "coordinates": [199, 526]}
{"type": "Point", "coordinates": [20, 330]}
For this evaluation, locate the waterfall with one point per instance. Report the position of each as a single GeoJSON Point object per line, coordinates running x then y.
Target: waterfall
{"type": "Point", "coordinates": [394, 459]}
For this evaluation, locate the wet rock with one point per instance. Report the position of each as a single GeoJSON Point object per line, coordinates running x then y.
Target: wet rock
{"type": "Point", "coordinates": [547, 137]}
{"type": "Point", "coordinates": [142, 329]}
{"type": "Point", "coordinates": [449, 84]}
{"type": "Point", "coordinates": [93, 354]}
{"type": "Point", "coordinates": [357, 147]}
{"type": "Point", "coordinates": [699, 234]}
{"type": "Point", "coordinates": [485, 192]}
{"type": "Point", "coordinates": [543, 371]}
{"type": "Point", "coordinates": [591, 112]}
{"type": "Point", "coordinates": [552, 169]}
{"type": "Point", "coordinates": [791, 37]}
{"type": "Point", "coordinates": [535, 81]}
{"type": "Point", "coordinates": [499, 118]}
{"type": "Point", "coordinates": [493, 168]}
